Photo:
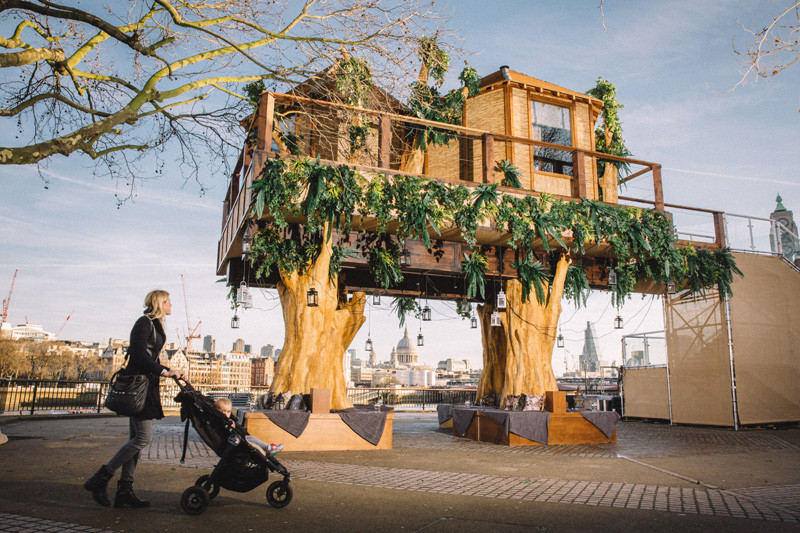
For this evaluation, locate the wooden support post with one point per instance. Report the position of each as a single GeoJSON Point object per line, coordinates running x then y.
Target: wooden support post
{"type": "Point", "coordinates": [658, 191]}
{"type": "Point", "coordinates": [487, 144]}
{"type": "Point", "coordinates": [719, 229]}
{"type": "Point", "coordinates": [384, 141]}
{"type": "Point", "coordinates": [266, 116]}
{"type": "Point", "coordinates": [579, 174]}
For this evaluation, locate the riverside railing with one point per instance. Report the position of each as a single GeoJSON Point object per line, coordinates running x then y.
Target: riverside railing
{"type": "Point", "coordinates": [37, 396]}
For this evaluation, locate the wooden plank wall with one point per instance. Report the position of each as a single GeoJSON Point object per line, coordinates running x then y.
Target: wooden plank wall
{"type": "Point", "coordinates": [521, 155]}
{"type": "Point", "coordinates": [487, 112]}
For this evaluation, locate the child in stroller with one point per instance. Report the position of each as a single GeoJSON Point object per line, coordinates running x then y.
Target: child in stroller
{"type": "Point", "coordinates": [241, 468]}
{"type": "Point", "coordinates": [224, 406]}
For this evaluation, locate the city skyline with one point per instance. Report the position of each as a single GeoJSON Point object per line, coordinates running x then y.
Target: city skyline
{"type": "Point", "coordinates": [81, 255]}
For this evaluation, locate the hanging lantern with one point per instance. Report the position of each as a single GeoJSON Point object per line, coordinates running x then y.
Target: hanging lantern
{"type": "Point", "coordinates": [247, 240]}
{"type": "Point", "coordinates": [243, 296]}
{"type": "Point", "coordinates": [612, 277]}
{"type": "Point", "coordinates": [618, 322]}
{"type": "Point", "coordinates": [426, 313]}
{"type": "Point", "coordinates": [501, 299]}
{"type": "Point", "coordinates": [473, 323]}
{"type": "Point", "coordinates": [404, 256]}
{"type": "Point", "coordinates": [495, 319]}
{"type": "Point", "coordinates": [376, 299]}
{"type": "Point", "coordinates": [368, 345]}
{"type": "Point", "coordinates": [560, 340]}
{"type": "Point", "coordinates": [312, 297]}
{"type": "Point", "coordinates": [670, 287]}
{"type": "Point", "coordinates": [247, 243]}
{"type": "Point", "coordinates": [420, 339]}
{"type": "Point", "coordinates": [235, 322]}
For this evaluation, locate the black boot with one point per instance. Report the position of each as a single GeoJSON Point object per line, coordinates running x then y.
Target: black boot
{"type": "Point", "coordinates": [126, 496]}
{"type": "Point", "coordinates": [97, 485]}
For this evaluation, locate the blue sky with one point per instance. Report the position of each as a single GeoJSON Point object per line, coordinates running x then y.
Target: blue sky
{"type": "Point", "coordinates": [672, 64]}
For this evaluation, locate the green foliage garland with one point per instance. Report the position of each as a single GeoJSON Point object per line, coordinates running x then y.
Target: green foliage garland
{"type": "Point", "coordinates": [605, 91]}
{"type": "Point", "coordinates": [329, 196]}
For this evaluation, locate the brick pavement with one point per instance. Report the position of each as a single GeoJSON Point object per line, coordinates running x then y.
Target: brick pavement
{"type": "Point", "coordinates": [774, 503]}
{"type": "Point", "coordinates": [21, 524]}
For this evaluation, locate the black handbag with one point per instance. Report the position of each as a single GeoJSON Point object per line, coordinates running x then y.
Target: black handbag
{"type": "Point", "coordinates": [127, 393]}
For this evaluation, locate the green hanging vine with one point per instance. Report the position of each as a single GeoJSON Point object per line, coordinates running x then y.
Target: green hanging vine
{"type": "Point", "coordinates": [329, 196]}
{"type": "Point", "coordinates": [605, 91]}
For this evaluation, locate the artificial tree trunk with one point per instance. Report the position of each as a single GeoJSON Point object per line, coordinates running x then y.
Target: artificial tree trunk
{"type": "Point", "coordinates": [316, 337]}
{"type": "Point", "coordinates": [494, 353]}
{"type": "Point", "coordinates": [517, 356]}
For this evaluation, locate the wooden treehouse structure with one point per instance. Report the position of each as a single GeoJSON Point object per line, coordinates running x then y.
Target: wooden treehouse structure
{"type": "Point", "coordinates": [547, 132]}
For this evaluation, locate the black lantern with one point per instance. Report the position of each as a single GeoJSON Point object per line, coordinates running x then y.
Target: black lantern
{"type": "Point", "coordinates": [420, 339]}
{"type": "Point", "coordinates": [368, 345]}
{"type": "Point", "coordinates": [670, 287]}
{"type": "Point", "coordinates": [404, 257]}
{"type": "Point", "coordinates": [426, 313]}
{"type": "Point", "coordinates": [612, 277]}
{"type": "Point", "coordinates": [376, 299]}
{"type": "Point", "coordinates": [235, 321]}
{"type": "Point", "coordinates": [560, 340]}
{"type": "Point", "coordinates": [312, 297]}
{"type": "Point", "coordinates": [618, 322]}
{"type": "Point", "coordinates": [473, 323]}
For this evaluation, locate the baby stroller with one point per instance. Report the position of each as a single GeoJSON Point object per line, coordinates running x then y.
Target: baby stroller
{"type": "Point", "coordinates": [241, 467]}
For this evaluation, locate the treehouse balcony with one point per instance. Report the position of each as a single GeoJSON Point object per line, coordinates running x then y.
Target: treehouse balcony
{"type": "Point", "coordinates": [545, 131]}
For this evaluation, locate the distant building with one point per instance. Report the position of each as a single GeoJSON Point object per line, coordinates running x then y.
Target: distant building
{"type": "Point", "coordinates": [415, 377]}
{"type": "Point", "coordinates": [31, 332]}
{"type": "Point", "coordinates": [454, 365]}
{"type": "Point", "coordinates": [268, 351]}
{"type": "Point", "coordinates": [346, 364]}
{"type": "Point", "coordinates": [248, 348]}
{"type": "Point", "coordinates": [262, 371]}
{"type": "Point", "coordinates": [590, 357]}
{"type": "Point", "coordinates": [786, 235]}
{"type": "Point", "coordinates": [238, 345]}
{"type": "Point", "coordinates": [209, 344]}
{"type": "Point", "coordinates": [406, 353]}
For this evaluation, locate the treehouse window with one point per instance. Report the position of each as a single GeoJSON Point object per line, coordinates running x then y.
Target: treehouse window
{"type": "Point", "coordinates": [552, 124]}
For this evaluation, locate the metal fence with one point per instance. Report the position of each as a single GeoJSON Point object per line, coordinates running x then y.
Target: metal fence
{"type": "Point", "coordinates": [36, 396]}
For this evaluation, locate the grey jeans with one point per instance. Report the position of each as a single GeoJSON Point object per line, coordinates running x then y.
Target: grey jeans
{"type": "Point", "coordinates": [141, 433]}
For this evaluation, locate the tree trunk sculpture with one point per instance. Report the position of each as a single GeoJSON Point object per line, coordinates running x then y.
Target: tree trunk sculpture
{"type": "Point", "coordinates": [316, 337]}
{"type": "Point", "coordinates": [517, 357]}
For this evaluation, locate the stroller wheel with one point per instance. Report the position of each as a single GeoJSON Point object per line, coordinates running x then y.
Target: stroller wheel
{"type": "Point", "coordinates": [211, 488]}
{"type": "Point", "coordinates": [279, 494]}
{"type": "Point", "coordinates": [194, 500]}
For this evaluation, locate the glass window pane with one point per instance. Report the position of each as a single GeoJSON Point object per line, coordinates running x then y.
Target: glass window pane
{"type": "Point", "coordinates": [552, 124]}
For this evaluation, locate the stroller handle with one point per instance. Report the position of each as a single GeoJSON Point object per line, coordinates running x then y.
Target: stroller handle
{"type": "Point", "coordinates": [187, 386]}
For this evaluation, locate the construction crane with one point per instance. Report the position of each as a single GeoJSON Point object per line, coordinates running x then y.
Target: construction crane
{"type": "Point", "coordinates": [193, 334]}
{"type": "Point", "coordinates": [64, 324]}
{"type": "Point", "coordinates": [7, 301]}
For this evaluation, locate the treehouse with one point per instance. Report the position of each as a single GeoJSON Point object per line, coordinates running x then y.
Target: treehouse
{"type": "Point", "coordinates": [545, 131]}
{"type": "Point", "coordinates": [341, 191]}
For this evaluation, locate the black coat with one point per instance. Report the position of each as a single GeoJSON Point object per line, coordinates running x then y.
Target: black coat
{"type": "Point", "coordinates": [147, 339]}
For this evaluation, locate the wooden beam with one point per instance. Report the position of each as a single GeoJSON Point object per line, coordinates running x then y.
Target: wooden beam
{"type": "Point", "coordinates": [487, 143]}
{"type": "Point", "coordinates": [266, 116]}
{"type": "Point", "coordinates": [634, 175]}
{"type": "Point", "coordinates": [658, 191]}
{"type": "Point", "coordinates": [384, 140]}
{"type": "Point", "coordinates": [719, 229]}
{"type": "Point", "coordinates": [579, 171]}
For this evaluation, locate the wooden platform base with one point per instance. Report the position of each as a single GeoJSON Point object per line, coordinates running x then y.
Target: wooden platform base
{"type": "Point", "coordinates": [563, 428]}
{"type": "Point", "coordinates": [325, 432]}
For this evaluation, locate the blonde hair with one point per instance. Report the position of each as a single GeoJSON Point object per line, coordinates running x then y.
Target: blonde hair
{"type": "Point", "coordinates": [153, 302]}
{"type": "Point", "coordinates": [222, 403]}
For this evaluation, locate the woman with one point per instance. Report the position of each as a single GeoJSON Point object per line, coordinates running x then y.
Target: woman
{"type": "Point", "coordinates": [147, 339]}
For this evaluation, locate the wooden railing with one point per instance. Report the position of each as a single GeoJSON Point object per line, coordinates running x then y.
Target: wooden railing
{"type": "Point", "coordinates": [385, 155]}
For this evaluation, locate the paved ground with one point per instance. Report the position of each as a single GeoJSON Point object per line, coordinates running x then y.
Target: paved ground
{"type": "Point", "coordinates": [656, 477]}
